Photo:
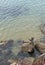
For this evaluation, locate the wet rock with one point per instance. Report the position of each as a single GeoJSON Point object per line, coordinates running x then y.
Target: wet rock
{"type": "Point", "coordinates": [23, 41]}
{"type": "Point", "coordinates": [27, 47]}
{"type": "Point", "coordinates": [42, 28]}
{"type": "Point", "coordinates": [6, 52]}
{"type": "Point", "coordinates": [42, 39]}
{"type": "Point", "coordinates": [39, 60]}
{"type": "Point", "coordinates": [2, 44]}
{"type": "Point", "coordinates": [4, 62]}
{"type": "Point", "coordinates": [26, 61]}
{"type": "Point", "coordinates": [22, 55]}
{"type": "Point", "coordinates": [6, 44]}
{"type": "Point", "coordinates": [9, 43]}
{"type": "Point", "coordinates": [0, 51]}
{"type": "Point", "coordinates": [40, 46]}
{"type": "Point", "coordinates": [13, 61]}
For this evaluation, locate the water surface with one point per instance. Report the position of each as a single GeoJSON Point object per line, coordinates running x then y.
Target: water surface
{"type": "Point", "coordinates": [20, 19]}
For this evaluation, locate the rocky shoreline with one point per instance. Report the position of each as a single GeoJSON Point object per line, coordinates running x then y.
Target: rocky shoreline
{"type": "Point", "coordinates": [26, 47]}
{"type": "Point", "coordinates": [7, 57]}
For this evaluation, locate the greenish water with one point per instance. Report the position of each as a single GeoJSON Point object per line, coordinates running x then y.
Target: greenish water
{"type": "Point", "coordinates": [20, 20]}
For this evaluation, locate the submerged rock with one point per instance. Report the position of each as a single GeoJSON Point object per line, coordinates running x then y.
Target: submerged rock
{"type": "Point", "coordinates": [39, 60]}
{"type": "Point", "coordinates": [4, 62]}
{"type": "Point", "coordinates": [22, 55]}
{"type": "Point", "coordinates": [6, 44]}
{"type": "Point", "coordinates": [9, 43]}
{"type": "Point", "coordinates": [40, 46]}
{"type": "Point", "coordinates": [6, 52]}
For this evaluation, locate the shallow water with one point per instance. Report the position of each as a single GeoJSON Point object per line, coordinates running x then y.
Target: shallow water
{"type": "Point", "coordinates": [20, 19]}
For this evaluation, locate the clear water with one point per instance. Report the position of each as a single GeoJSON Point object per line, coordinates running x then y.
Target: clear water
{"type": "Point", "coordinates": [20, 19]}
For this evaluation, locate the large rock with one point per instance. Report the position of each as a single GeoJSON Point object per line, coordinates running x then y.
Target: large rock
{"type": "Point", "coordinates": [40, 46]}
{"type": "Point", "coordinates": [40, 60]}
{"type": "Point", "coordinates": [26, 61]}
{"type": "Point", "coordinates": [27, 47]}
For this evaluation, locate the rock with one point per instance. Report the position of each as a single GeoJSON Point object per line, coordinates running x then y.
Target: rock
{"type": "Point", "coordinates": [6, 44]}
{"type": "Point", "coordinates": [2, 44]}
{"type": "Point", "coordinates": [10, 60]}
{"type": "Point", "coordinates": [13, 61]}
{"type": "Point", "coordinates": [27, 47]}
{"type": "Point", "coordinates": [42, 39]}
{"type": "Point", "coordinates": [40, 46]}
{"type": "Point", "coordinates": [9, 43]}
{"type": "Point", "coordinates": [42, 28]}
{"type": "Point", "coordinates": [26, 61]}
{"type": "Point", "coordinates": [6, 52]}
{"type": "Point", "coordinates": [23, 41]}
{"type": "Point", "coordinates": [39, 60]}
{"type": "Point", "coordinates": [4, 62]}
